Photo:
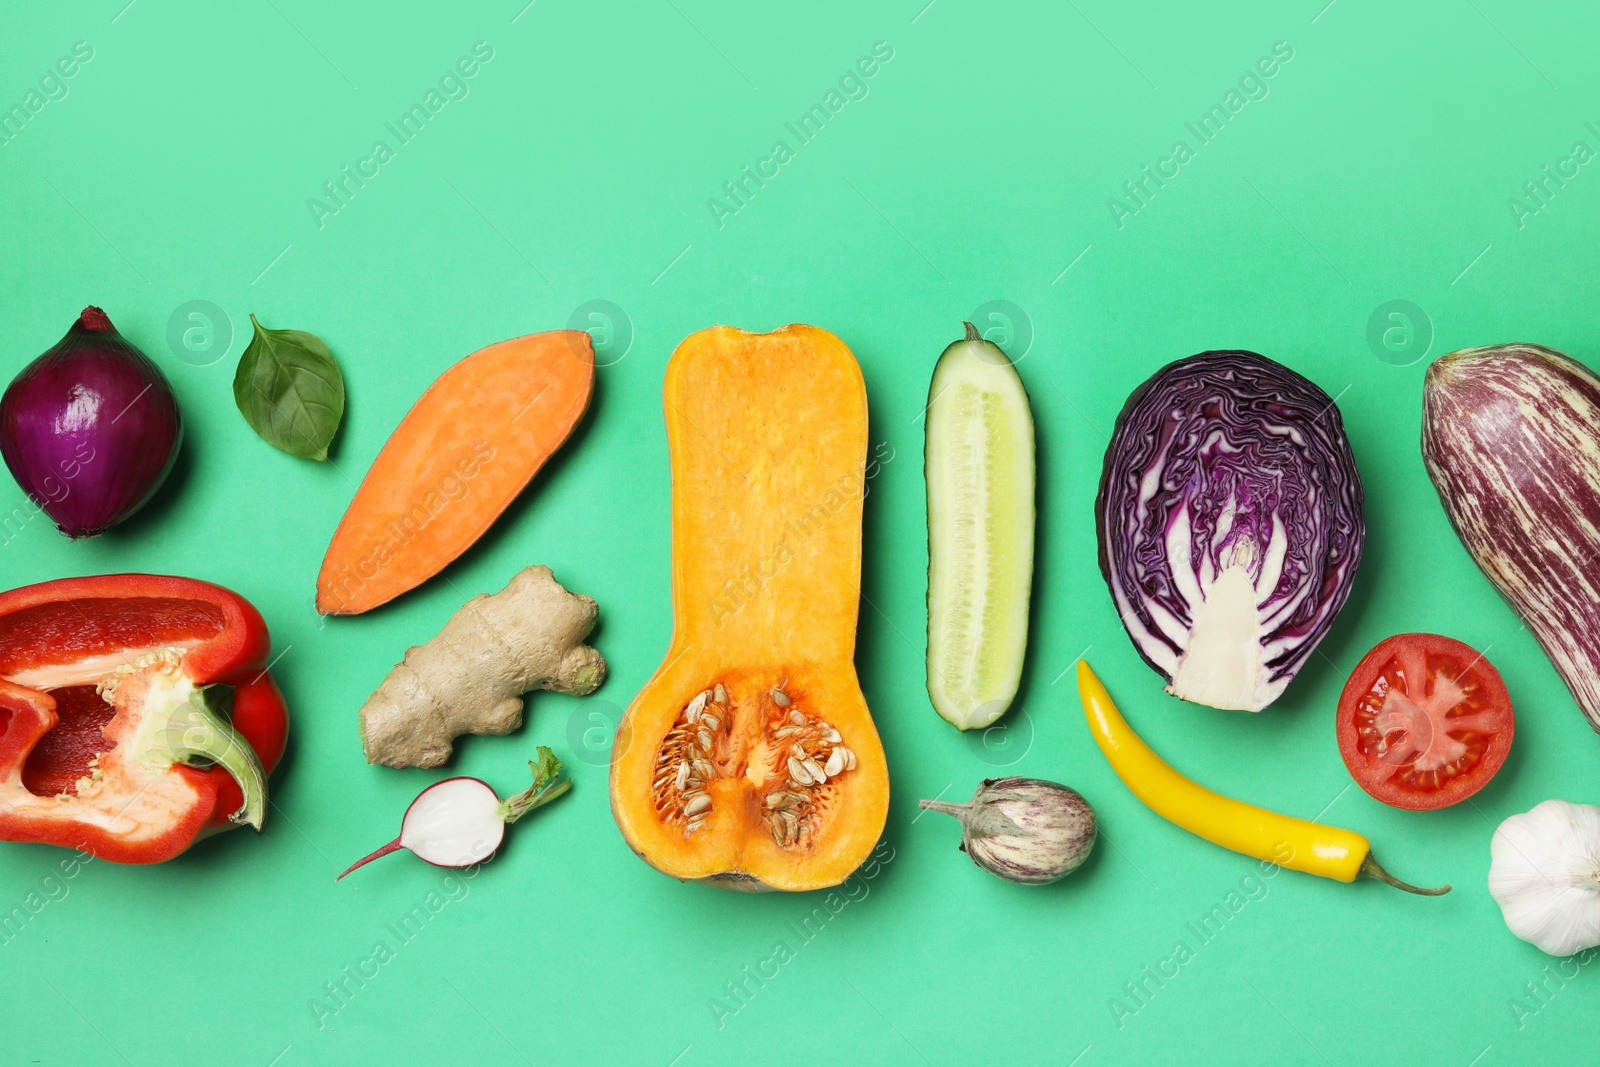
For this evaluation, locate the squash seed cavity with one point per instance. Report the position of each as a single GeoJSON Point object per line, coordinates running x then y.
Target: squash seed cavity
{"type": "Point", "coordinates": [790, 756]}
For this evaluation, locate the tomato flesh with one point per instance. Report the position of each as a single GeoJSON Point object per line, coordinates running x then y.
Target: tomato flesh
{"type": "Point", "coordinates": [1424, 722]}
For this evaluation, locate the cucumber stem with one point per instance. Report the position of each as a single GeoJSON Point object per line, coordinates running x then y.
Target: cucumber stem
{"type": "Point", "coordinates": [972, 332]}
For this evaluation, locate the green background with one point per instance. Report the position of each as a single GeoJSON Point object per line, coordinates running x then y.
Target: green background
{"type": "Point", "coordinates": [977, 168]}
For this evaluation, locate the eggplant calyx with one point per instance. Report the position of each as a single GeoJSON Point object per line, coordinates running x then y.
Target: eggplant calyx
{"type": "Point", "coordinates": [979, 817]}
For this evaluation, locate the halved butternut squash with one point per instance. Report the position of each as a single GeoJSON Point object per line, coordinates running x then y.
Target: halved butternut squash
{"type": "Point", "coordinates": [750, 761]}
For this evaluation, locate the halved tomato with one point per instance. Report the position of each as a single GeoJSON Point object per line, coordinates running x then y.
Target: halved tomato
{"type": "Point", "coordinates": [1424, 722]}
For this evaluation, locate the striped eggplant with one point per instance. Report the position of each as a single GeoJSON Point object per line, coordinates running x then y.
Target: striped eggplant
{"type": "Point", "coordinates": [1025, 830]}
{"type": "Point", "coordinates": [1511, 439]}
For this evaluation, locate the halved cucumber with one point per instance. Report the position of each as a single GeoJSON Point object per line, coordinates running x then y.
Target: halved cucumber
{"type": "Point", "coordinates": [980, 470]}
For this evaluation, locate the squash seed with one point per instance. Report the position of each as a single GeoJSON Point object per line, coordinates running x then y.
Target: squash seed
{"type": "Point", "coordinates": [697, 705]}
{"type": "Point", "coordinates": [835, 763]}
{"type": "Point", "coordinates": [696, 806]}
{"type": "Point", "coordinates": [780, 698]}
{"type": "Point", "coordinates": [721, 694]}
{"type": "Point", "coordinates": [775, 800]}
{"type": "Point", "coordinates": [683, 775]}
{"type": "Point", "coordinates": [797, 717]}
{"type": "Point", "coordinates": [710, 721]}
{"type": "Point", "coordinates": [798, 772]}
{"type": "Point", "coordinates": [816, 772]}
{"type": "Point", "coordinates": [786, 731]}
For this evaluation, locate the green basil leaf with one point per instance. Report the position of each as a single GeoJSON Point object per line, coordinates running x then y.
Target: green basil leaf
{"type": "Point", "coordinates": [290, 391]}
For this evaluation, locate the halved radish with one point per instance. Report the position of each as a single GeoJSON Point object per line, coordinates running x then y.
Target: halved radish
{"type": "Point", "coordinates": [461, 821]}
{"type": "Point", "coordinates": [979, 464]}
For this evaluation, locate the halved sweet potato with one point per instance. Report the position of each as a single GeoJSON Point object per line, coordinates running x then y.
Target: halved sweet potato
{"type": "Point", "coordinates": [750, 761]}
{"type": "Point", "coordinates": [456, 461]}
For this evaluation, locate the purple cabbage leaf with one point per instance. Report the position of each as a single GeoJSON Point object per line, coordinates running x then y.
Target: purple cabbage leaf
{"type": "Point", "coordinates": [1230, 525]}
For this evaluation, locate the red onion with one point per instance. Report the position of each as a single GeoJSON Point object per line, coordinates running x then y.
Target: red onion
{"type": "Point", "coordinates": [91, 428]}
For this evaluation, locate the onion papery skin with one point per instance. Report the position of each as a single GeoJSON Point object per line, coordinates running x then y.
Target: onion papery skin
{"type": "Point", "coordinates": [1225, 462]}
{"type": "Point", "coordinates": [91, 428]}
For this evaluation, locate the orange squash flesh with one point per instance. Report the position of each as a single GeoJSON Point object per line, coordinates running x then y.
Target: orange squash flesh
{"type": "Point", "coordinates": [456, 461]}
{"type": "Point", "coordinates": [768, 439]}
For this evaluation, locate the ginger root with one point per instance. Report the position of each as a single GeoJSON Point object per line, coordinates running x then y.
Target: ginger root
{"type": "Point", "coordinates": [471, 677]}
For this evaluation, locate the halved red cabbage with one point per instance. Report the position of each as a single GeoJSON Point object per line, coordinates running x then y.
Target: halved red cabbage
{"type": "Point", "coordinates": [1230, 525]}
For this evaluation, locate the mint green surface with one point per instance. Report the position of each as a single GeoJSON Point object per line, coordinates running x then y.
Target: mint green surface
{"type": "Point", "coordinates": [978, 167]}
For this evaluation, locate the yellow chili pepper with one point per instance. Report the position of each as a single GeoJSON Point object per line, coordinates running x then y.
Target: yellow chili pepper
{"type": "Point", "coordinates": [1298, 844]}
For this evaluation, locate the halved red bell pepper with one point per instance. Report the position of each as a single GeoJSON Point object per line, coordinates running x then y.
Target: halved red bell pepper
{"type": "Point", "coordinates": [115, 730]}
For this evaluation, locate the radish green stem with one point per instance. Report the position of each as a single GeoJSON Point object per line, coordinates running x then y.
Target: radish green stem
{"type": "Point", "coordinates": [544, 789]}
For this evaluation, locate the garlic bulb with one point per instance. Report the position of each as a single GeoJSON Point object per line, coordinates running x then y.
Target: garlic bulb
{"type": "Point", "coordinates": [1023, 829]}
{"type": "Point", "coordinates": [1544, 872]}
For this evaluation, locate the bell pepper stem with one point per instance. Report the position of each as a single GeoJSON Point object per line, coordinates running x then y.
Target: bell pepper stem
{"type": "Point", "coordinates": [1371, 869]}
{"type": "Point", "coordinates": [198, 736]}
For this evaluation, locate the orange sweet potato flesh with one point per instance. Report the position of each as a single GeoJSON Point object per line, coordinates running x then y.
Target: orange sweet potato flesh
{"type": "Point", "coordinates": [456, 461]}
{"type": "Point", "coordinates": [768, 439]}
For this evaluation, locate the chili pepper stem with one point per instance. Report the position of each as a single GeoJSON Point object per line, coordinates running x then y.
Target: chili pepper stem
{"type": "Point", "coordinates": [1371, 869]}
{"type": "Point", "coordinates": [392, 846]}
{"type": "Point", "coordinates": [195, 735]}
